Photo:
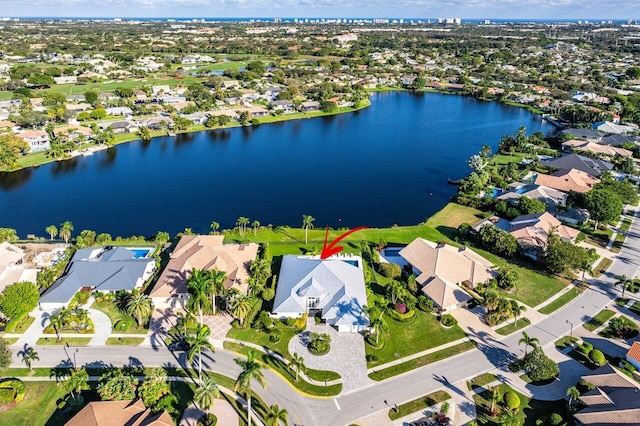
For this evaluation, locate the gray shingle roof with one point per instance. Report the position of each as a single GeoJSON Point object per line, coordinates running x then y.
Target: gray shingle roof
{"type": "Point", "coordinates": [592, 166]}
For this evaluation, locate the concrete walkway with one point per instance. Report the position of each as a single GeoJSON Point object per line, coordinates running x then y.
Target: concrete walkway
{"type": "Point", "coordinates": [102, 327]}
{"type": "Point", "coordinates": [34, 332]}
{"type": "Point", "coordinates": [226, 414]}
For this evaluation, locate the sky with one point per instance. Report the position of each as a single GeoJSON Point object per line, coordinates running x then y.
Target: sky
{"type": "Point", "coordinates": [469, 9]}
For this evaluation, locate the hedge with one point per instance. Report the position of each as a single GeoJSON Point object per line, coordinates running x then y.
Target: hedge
{"type": "Point", "coordinates": [406, 317]}
{"type": "Point", "coordinates": [13, 387]}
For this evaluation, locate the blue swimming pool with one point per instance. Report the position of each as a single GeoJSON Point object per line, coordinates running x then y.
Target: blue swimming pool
{"type": "Point", "coordinates": [140, 253]}
{"type": "Point", "coordinates": [353, 262]}
{"type": "Point", "coordinates": [392, 251]}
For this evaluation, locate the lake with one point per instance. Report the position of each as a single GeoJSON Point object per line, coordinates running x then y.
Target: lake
{"type": "Point", "coordinates": [387, 164]}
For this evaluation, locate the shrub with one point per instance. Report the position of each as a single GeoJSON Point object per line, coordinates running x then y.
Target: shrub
{"type": "Point", "coordinates": [372, 358]}
{"type": "Point", "coordinates": [319, 344]}
{"type": "Point", "coordinates": [12, 390]}
{"type": "Point", "coordinates": [585, 348]}
{"type": "Point", "coordinates": [555, 419]}
{"type": "Point", "coordinates": [408, 316]}
{"type": "Point", "coordinates": [290, 321]}
{"type": "Point", "coordinates": [401, 308]}
{"type": "Point", "coordinates": [512, 400]}
{"type": "Point", "coordinates": [425, 304]}
{"type": "Point", "coordinates": [597, 357]}
{"type": "Point", "coordinates": [208, 419]}
{"type": "Point", "coordinates": [7, 395]}
{"type": "Point", "coordinates": [268, 293]}
{"type": "Point", "coordinates": [389, 270]}
{"type": "Point", "coordinates": [448, 320]}
{"type": "Point", "coordinates": [275, 335]}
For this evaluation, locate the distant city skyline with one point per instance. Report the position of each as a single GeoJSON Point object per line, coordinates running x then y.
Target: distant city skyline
{"type": "Point", "coordinates": [410, 9]}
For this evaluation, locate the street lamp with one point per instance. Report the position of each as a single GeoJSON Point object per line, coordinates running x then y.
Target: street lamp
{"type": "Point", "coordinates": [570, 332]}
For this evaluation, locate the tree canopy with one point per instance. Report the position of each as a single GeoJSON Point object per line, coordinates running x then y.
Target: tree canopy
{"type": "Point", "coordinates": [19, 299]}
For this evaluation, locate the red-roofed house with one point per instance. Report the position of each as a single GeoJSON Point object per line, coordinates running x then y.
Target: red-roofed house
{"type": "Point", "coordinates": [633, 355]}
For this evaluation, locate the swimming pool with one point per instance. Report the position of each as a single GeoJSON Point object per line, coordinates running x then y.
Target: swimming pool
{"type": "Point", "coordinates": [392, 252]}
{"type": "Point", "coordinates": [139, 253]}
{"type": "Point", "coordinates": [353, 262]}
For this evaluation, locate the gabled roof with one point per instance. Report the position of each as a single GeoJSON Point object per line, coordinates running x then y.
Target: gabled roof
{"type": "Point", "coordinates": [107, 269]}
{"type": "Point", "coordinates": [534, 229]}
{"type": "Point", "coordinates": [592, 166]}
{"type": "Point", "coordinates": [444, 293]}
{"type": "Point", "coordinates": [550, 196]}
{"type": "Point", "coordinates": [634, 351]}
{"type": "Point", "coordinates": [568, 180]}
{"type": "Point", "coordinates": [597, 148]}
{"type": "Point", "coordinates": [205, 252]}
{"type": "Point", "coordinates": [580, 133]}
{"type": "Point", "coordinates": [119, 413]}
{"type": "Point", "coordinates": [338, 285]}
{"type": "Point", "coordinates": [9, 254]}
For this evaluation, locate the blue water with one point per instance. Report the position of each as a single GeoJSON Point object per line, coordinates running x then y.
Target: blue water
{"type": "Point", "coordinates": [140, 253]}
{"type": "Point", "coordinates": [387, 164]}
{"type": "Point", "coordinates": [352, 262]}
{"type": "Point", "coordinates": [392, 252]}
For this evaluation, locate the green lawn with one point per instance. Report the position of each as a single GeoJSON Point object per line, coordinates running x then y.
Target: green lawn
{"type": "Point", "coordinates": [402, 339]}
{"type": "Point", "coordinates": [418, 404]}
{"type": "Point", "coordinates": [115, 315]}
{"type": "Point", "coordinates": [125, 341]}
{"type": "Point", "coordinates": [481, 380]}
{"type": "Point", "coordinates": [9, 340]}
{"type": "Point", "coordinates": [635, 308]}
{"type": "Point", "coordinates": [422, 361]}
{"type": "Point", "coordinates": [24, 325]}
{"type": "Point", "coordinates": [560, 301]}
{"type": "Point", "coordinates": [500, 159]}
{"type": "Point", "coordinates": [37, 406]}
{"type": "Point", "coordinates": [565, 342]}
{"type": "Point", "coordinates": [511, 327]}
{"type": "Point", "coordinates": [602, 267]}
{"type": "Point", "coordinates": [602, 317]}
{"type": "Point", "coordinates": [72, 341]}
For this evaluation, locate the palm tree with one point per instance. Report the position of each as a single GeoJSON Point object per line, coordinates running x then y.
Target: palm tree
{"type": "Point", "coordinates": [528, 341]}
{"type": "Point", "coordinates": [510, 418]}
{"type": "Point", "coordinates": [200, 286]}
{"type": "Point", "coordinates": [77, 380]}
{"type": "Point", "coordinates": [573, 393]}
{"type": "Point", "coordinates": [242, 223]}
{"type": "Point", "coordinates": [206, 393]}
{"type": "Point", "coordinates": [241, 307]}
{"type": "Point", "coordinates": [517, 310]}
{"type": "Point", "coordinates": [275, 415]}
{"type": "Point", "coordinates": [495, 393]}
{"type": "Point", "coordinates": [138, 306]}
{"type": "Point", "coordinates": [198, 342]}
{"type": "Point", "coordinates": [623, 281]}
{"type": "Point", "coordinates": [307, 222]}
{"type": "Point", "coordinates": [256, 225]}
{"type": "Point", "coordinates": [52, 231]}
{"type": "Point", "coordinates": [56, 322]}
{"type": "Point", "coordinates": [214, 227]}
{"type": "Point", "coordinates": [297, 363]}
{"type": "Point", "coordinates": [217, 285]}
{"type": "Point", "coordinates": [586, 267]}
{"type": "Point", "coordinates": [28, 356]}
{"type": "Point", "coordinates": [379, 324]}
{"type": "Point", "coordinates": [250, 370]}
{"type": "Point", "coordinates": [144, 133]}
{"type": "Point", "coordinates": [65, 231]}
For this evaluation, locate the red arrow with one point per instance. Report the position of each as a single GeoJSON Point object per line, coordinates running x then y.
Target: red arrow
{"type": "Point", "coordinates": [330, 250]}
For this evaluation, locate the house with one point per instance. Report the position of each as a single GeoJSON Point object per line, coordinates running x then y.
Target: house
{"type": "Point", "coordinates": [119, 127]}
{"type": "Point", "coordinates": [283, 105]}
{"type": "Point", "coordinates": [580, 133]}
{"type": "Point", "coordinates": [228, 112]}
{"type": "Point", "coordinates": [532, 232]}
{"type": "Point", "coordinates": [75, 98]}
{"type": "Point", "coordinates": [609, 127]}
{"type": "Point", "coordinates": [172, 99]}
{"type": "Point", "coordinates": [203, 252]}
{"type": "Point", "coordinates": [159, 90]}
{"type": "Point", "coordinates": [73, 132]}
{"type": "Point", "coordinates": [66, 80]}
{"type": "Point", "coordinates": [551, 197]}
{"type": "Point", "coordinates": [38, 140]}
{"type": "Point", "coordinates": [407, 80]}
{"type": "Point", "coordinates": [230, 84]}
{"type": "Point", "coordinates": [441, 269]}
{"type": "Point", "coordinates": [9, 125]}
{"type": "Point", "coordinates": [197, 117]}
{"type": "Point", "coordinates": [106, 269]}
{"type": "Point", "coordinates": [612, 151]}
{"type": "Point", "coordinates": [568, 180]}
{"type": "Point", "coordinates": [83, 106]}
{"type": "Point", "coordinates": [633, 354]}
{"type": "Point", "coordinates": [332, 288]}
{"type": "Point", "coordinates": [119, 111]}
{"type": "Point", "coordinates": [117, 413]}
{"type": "Point", "coordinates": [617, 140]}
{"type": "Point", "coordinates": [156, 123]}
{"type": "Point", "coordinates": [309, 106]}
{"type": "Point", "coordinates": [12, 268]}
{"type": "Point", "coordinates": [615, 399]}
{"type": "Point", "coordinates": [591, 166]}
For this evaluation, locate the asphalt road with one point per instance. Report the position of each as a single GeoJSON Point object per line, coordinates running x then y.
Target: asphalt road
{"type": "Point", "coordinates": [347, 408]}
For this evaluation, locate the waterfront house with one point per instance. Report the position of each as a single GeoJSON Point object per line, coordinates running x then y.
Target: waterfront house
{"type": "Point", "coordinates": [156, 123]}
{"type": "Point", "coordinates": [551, 197]}
{"type": "Point", "coordinates": [202, 252]}
{"type": "Point", "coordinates": [73, 132]}
{"type": "Point", "coordinates": [12, 267]}
{"type": "Point", "coordinates": [595, 148]}
{"type": "Point", "coordinates": [586, 134]}
{"type": "Point", "coordinates": [532, 232]}
{"type": "Point", "coordinates": [441, 270]}
{"type": "Point", "coordinates": [105, 269]}
{"type": "Point", "coordinates": [609, 127]}
{"type": "Point", "coordinates": [332, 288]}
{"type": "Point", "coordinates": [197, 117]}
{"type": "Point", "coordinates": [122, 412]}
{"type": "Point", "coordinates": [591, 166]}
{"type": "Point", "coordinates": [568, 180]}
{"type": "Point", "coordinates": [309, 106]}
{"type": "Point", "coordinates": [119, 127]}
{"type": "Point", "coordinates": [38, 140]}
{"type": "Point", "coordinates": [614, 399]}
{"type": "Point", "coordinates": [283, 105]}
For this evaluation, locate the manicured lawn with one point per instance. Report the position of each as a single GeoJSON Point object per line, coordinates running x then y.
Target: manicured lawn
{"type": "Point", "coordinates": [125, 341]}
{"type": "Point", "coordinates": [24, 325]}
{"type": "Point", "coordinates": [531, 409]}
{"type": "Point", "coordinates": [565, 342]}
{"type": "Point", "coordinates": [560, 301]}
{"type": "Point", "coordinates": [402, 339]}
{"type": "Point", "coordinates": [422, 361]}
{"type": "Point", "coordinates": [481, 380]}
{"type": "Point", "coordinates": [116, 316]}
{"type": "Point", "coordinates": [500, 159]}
{"type": "Point", "coordinates": [454, 215]}
{"type": "Point", "coordinates": [602, 267]}
{"type": "Point", "coordinates": [511, 327]}
{"type": "Point", "coordinates": [37, 406]}
{"type": "Point", "coordinates": [72, 341]}
{"type": "Point", "coordinates": [418, 404]}
{"type": "Point", "coordinates": [635, 308]}
{"type": "Point", "coordinates": [602, 317]}
{"type": "Point", "coordinates": [286, 372]}
{"type": "Point", "coordinates": [10, 340]}
{"type": "Point", "coordinates": [262, 339]}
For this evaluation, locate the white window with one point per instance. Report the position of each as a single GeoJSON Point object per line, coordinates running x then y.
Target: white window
{"type": "Point", "coordinates": [312, 302]}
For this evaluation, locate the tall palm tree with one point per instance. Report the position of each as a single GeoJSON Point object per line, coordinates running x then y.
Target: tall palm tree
{"type": "Point", "coordinates": [217, 285]}
{"type": "Point", "coordinates": [198, 342]}
{"type": "Point", "coordinates": [307, 222]}
{"type": "Point", "coordinates": [378, 324]}
{"type": "Point", "coordinates": [256, 225]}
{"type": "Point", "coordinates": [144, 133]}
{"type": "Point", "coordinates": [297, 363]}
{"type": "Point", "coordinates": [573, 393]}
{"type": "Point", "coordinates": [29, 355]}
{"type": "Point", "coordinates": [624, 282]}
{"type": "Point", "coordinates": [240, 308]}
{"type": "Point", "coordinates": [528, 341]}
{"type": "Point", "coordinates": [276, 415]}
{"type": "Point", "coordinates": [56, 322]}
{"type": "Point", "coordinates": [65, 231]}
{"type": "Point", "coordinates": [200, 287]}
{"type": "Point", "coordinates": [250, 370]}
{"type": "Point", "coordinates": [77, 381]}
{"type": "Point", "coordinates": [517, 310]}
{"type": "Point", "coordinates": [586, 267]}
{"type": "Point", "coordinates": [138, 306]}
{"type": "Point", "coordinates": [214, 227]}
{"type": "Point", "coordinates": [206, 393]}
{"type": "Point", "coordinates": [242, 223]}
{"type": "Point", "coordinates": [52, 231]}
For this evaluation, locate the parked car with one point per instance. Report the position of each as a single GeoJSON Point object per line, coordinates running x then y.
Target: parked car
{"type": "Point", "coordinates": [179, 346]}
